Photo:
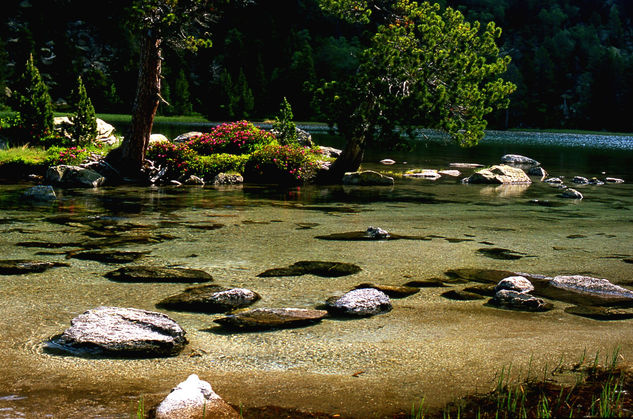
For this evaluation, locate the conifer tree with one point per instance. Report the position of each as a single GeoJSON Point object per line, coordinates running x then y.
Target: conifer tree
{"type": "Point", "coordinates": [84, 128]}
{"type": "Point", "coordinates": [284, 128]}
{"type": "Point", "coordinates": [33, 103]}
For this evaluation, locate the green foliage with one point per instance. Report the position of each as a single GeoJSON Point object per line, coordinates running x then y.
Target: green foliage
{"type": "Point", "coordinates": [84, 120]}
{"type": "Point", "coordinates": [240, 137]}
{"type": "Point", "coordinates": [283, 164]}
{"type": "Point", "coordinates": [284, 128]}
{"type": "Point", "coordinates": [208, 166]}
{"type": "Point", "coordinates": [33, 102]}
{"type": "Point", "coordinates": [425, 67]}
{"type": "Point", "coordinates": [67, 155]}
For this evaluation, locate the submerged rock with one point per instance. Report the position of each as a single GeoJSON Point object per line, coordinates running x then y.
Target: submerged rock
{"type": "Point", "coordinates": [40, 193]}
{"type": "Point", "coordinates": [271, 318]}
{"type": "Point", "coordinates": [360, 302]}
{"type": "Point", "coordinates": [109, 256]}
{"type": "Point", "coordinates": [392, 291]}
{"type": "Point", "coordinates": [367, 178]}
{"type": "Point", "coordinates": [500, 174]}
{"type": "Point", "coordinates": [500, 253]}
{"type": "Point", "coordinates": [158, 274]}
{"type": "Point", "coordinates": [599, 313]}
{"type": "Point", "coordinates": [462, 295]}
{"type": "Point", "coordinates": [20, 266]}
{"type": "Point", "coordinates": [194, 399]}
{"type": "Point", "coordinates": [387, 161]}
{"type": "Point", "coordinates": [614, 180]}
{"type": "Point", "coordinates": [571, 193]}
{"type": "Point", "coordinates": [117, 331]}
{"type": "Point", "coordinates": [519, 301]}
{"type": "Point", "coordinates": [430, 174]}
{"type": "Point", "coordinates": [210, 299]}
{"type": "Point", "coordinates": [323, 269]}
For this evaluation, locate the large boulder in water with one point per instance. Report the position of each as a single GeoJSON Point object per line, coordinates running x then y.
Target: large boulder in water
{"type": "Point", "coordinates": [360, 302]}
{"type": "Point", "coordinates": [194, 399]}
{"type": "Point", "coordinates": [74, 176]}
{"type": "Point", "coordinates": [604, 291]}
{"type": "Point", "coordinates": [210, 299]}
{"type": "Point", "coordinates": [117, 331]}
{"type": "Point", "coordinates": [515, 300]}
{"type": "Point", "coordinates": [499, 174]}
{"type": "Point", "coordinates": [312, 267]}
{"type": "Point", "coordinates": [519, 160]}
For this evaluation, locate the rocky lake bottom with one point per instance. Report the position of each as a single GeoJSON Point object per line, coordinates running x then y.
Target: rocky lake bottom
{"type": "Point", "coordinates": [447, 239]}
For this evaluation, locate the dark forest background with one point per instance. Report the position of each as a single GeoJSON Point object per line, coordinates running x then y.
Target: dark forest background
{"type": "Point", "coordinates": [572, 60]}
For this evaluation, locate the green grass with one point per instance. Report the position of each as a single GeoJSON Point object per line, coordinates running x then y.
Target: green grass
{"type": "Point", "coordinates": [24, 155]}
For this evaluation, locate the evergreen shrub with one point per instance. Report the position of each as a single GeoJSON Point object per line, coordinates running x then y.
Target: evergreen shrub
{"type": "Point", "coordinates": [84, 120]}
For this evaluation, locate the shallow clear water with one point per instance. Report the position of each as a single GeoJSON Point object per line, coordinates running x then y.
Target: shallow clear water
{"type": "Point", "coordinates": [427, 346]}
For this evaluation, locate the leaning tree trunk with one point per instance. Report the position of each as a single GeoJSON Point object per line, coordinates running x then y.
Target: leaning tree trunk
{"type": "Point", "coordinates": [131, 155]}
{"type": "Point", "coordinates": [349, 160]}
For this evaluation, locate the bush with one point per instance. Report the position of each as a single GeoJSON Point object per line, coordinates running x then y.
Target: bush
{"type": "Point", "coordinates": [178, 159]}
{"type": "Point", "coordinates": [209, 166]}
{"type": "Point", "coordinates": [240, 137]}
{"type": "Point", "coordinates": [285, 164]}
{"type": "Point", "coordinates": [285, 130]}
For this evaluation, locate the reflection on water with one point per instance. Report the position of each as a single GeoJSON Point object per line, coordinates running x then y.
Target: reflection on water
{"type": "Point", "coordinates": [427, 346]}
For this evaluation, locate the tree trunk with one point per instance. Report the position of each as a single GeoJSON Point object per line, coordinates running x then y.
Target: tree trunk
{"type": "Point", "coordinates": [130, 156]}
{"type": "Point", "coordinates": [350, 159]}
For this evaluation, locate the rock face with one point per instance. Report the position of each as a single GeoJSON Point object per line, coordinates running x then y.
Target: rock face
{"type": "Point", "coordinates": [518, 160]}
{"type": "Point", "coordinates": [158, 138]}
{"type": "Point", "coordinates": [194, 399]}
{"type": "Point", "coordinates": [519, 301]}
{"type": "Point", "coordinates": [210, 299]}
{"type": "Point", "coordinates": [20, 267]}
{"type": "Point", "coordinates": [116, 331]}
{"type": "Point", "coordinates": [367, 178]}
{"type": "Point", "coordinates": [158, 274]}
{"type": "Point", "coordinates": [323, 269]}
{"type": "Point", "coordinates": [74, 176]}
{"type": "Point", "coordinates": [500, 174]}
{"type": "Point", "coordinates": [360, 302]}
{"type": "Point", "coordinates": [40, 193]}
{"type": "Point", "coordinates": [271, 318]}
{"type": "Point", "coordinates": [105, 131]}
{"type": "Point", "coordinates": [515, 283]}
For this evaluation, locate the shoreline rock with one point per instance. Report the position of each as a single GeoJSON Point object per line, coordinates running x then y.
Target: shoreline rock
{"type": "Point", "coordinates": [361, 302]}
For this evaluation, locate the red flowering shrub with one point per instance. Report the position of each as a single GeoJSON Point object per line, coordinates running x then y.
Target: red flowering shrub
{"type": "Point", "coordinates": [177, 158]}
{"type": "Point", "coordinates": [69, 156]}
{"type": "Point", "coordinates": [288, 164]}
{"type": "Point", "coordinates": [240, 137]}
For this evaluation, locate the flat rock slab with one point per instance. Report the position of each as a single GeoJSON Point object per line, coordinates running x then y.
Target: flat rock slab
{"type": "Point", "coordinates": [108, 256]}
{"type": "Point", "coordinates": [393, 291]}
{"type": "Point", "coordinates": [318, 268]}
{"type": "Point", "coordinates": [597, 291]}
{"type": "Point", "coordinates": [361, 302]}
{"type": "Point", "coordinates": [210, 299]}
{"type": "Point", "coordinates": [121, 332]}
{"type": "Point", "coordinates": [365, 236]}
{"type": "Point", "coordinates": [20, 267]}
{"type": "Point", "coordinates": [500, 253]}
{"type": "Point", "coordinates": [158, 274]}
{"type": "Point", "coordinates": [461, 295]}
{"type": "Point", "coordinates": [271, 318]}
{"type": "Point", "coordinates": [599, 313]}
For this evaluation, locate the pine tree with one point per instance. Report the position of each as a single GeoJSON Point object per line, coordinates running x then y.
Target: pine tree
{"type": "Point", "coordinates": [33, 103]}
{"type": "Point", "coordinates": [84, 128]}
{"type": "Point", "coordinates": [285, 130]}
